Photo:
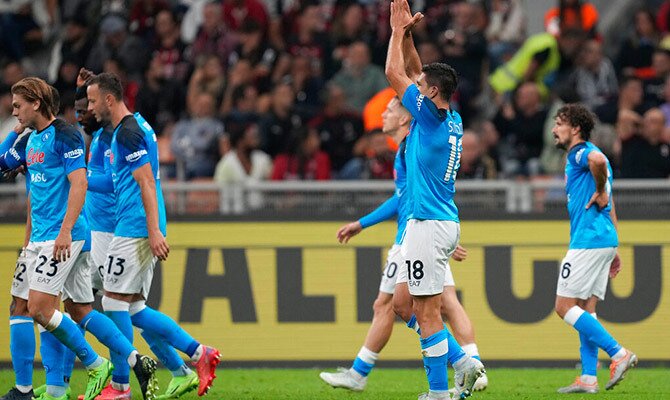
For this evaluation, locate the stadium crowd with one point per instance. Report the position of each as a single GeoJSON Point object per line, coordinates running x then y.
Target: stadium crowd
{"type": "Point", "coordinates": [295, 89]}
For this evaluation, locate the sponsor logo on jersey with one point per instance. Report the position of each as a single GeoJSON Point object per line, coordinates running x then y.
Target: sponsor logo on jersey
{"type": "Point", "coordinates": [37, 177]}
{"type": "Point", "coordinates": [132, 157]}
{"type": "Point", "coordinates": [15, 154]}
{"type": "Point", "coordinates": [108, 153]}
{"type": "Point", "coordinates": [74, 153]}
{"type": "Point", "coordinates": [34, 157]}
{"type": "Point", "coordinates": [419, 101]}
{"type": "Point", "coordinates": [578, 156]}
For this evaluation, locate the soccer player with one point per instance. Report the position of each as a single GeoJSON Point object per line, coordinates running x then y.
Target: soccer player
{"type": "Point", "coordinates": [432, 159]}
{"type": "Point", "coordinates": [592, 253]}
{"type": "Point", "coordinates": [396, 120]}
{"type": "Point", "coordinates": [139, 234]}
{"type": "Point", "coordinates": [100, 208]}
{"type": "Point", "coordinates": [54, 158]}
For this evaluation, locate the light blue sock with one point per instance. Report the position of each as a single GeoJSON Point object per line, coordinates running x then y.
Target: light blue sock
{"type": "Point", "coordinates": [435, 349]}
{"type": "Point", "coordinates": [109, 334]}
{"type": "Point", "coordinates": [413, 325]}
{"type": "Point", "coordinates": [121, 319]}
{"type": "Point", "coordinates": [157, 323]}
{"type": "Point", "coordinates": [22, 348]}
{"type": "Point", "coordinates": [52, 351]}
{"type": "Point", "coordinates": [69, 334]}
{"type": "Point", "coordinates": [166, 354]}
{"type": "Point", "coordinates": [456, 352]}
{"type": "Point", "coordinates": [588, 353]}
{"type": "Point", "coordinates": [68, 361]}
{"type": "Point", "coordinates": [592, 330]}
{"type": "Point", "coordinates": [365, 361]}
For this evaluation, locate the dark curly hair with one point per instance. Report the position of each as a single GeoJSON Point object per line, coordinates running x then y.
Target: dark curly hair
{"type": "Point", "coordinates": [443, 76]}
{"type": "Point", "coordinates": [577, 115]}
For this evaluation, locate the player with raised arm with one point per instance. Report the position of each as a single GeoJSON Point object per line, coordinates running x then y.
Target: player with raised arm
{"type": "Point", "coordinates": [592, 254]}
{"type": "Point", "coordinates": [100, 208]}
{"type": "Point", "coordinates": [432, 159]}
{"type": "Point", "coordinates": [139, 234]}
{"type": "Point", "coordinates": [396, 120]}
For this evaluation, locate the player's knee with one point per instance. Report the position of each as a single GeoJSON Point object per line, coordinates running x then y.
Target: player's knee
{"type": "Point", "coordinates": [560, 307]}
{"type": "Point", "coordinates": [78, 311]}
{"type": "Point", "coordinates": [402, 309]}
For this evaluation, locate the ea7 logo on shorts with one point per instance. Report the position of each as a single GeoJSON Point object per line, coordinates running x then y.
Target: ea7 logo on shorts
{"type": "Point", "coordinates": [132, 157]}
{"type": "Point", "coordinates": [74, 153]}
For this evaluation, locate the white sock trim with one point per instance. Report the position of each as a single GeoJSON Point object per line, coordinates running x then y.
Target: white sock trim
{"type": "Point", "coordinates": [110, 304]}
{"type": "Point", "coordinates": [20, 321]}
{"type": "Point", "coordinates": [368, 356]}
{"type": "Point", "coordinates": [436, 350]}
{"type": "Point", "coordinates": [41, 329]}
{"type": "Point", "coordinates": [24, 389]}
{"type": "Point", "coordinates": [55, 321]}
{"type": "Point", "coordinates": [573, 315]}
{"type": "Point", "coordinates": [132, 358]}
{"type": "Point", "coordinates": [136, 307]}
{"type": "Point", "coordinates": [471, 349]}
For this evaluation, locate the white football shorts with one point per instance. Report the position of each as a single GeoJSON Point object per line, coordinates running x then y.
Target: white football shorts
{"type": "Point", "coordinates": [584, 273]}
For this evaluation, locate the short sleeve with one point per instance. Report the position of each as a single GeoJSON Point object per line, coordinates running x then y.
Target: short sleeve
{"type": "Point", "coordinates": [70, 146]}
{"type": "Point", "coordinates": [132, 148]}
{"type": "Point", "coordinates": [423, 109]}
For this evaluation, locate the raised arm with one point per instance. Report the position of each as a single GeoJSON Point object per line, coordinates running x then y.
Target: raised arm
{"type": "Point", "coordinates": [412, 60]}
{"type": "Point", "coordinates": [401, 22]}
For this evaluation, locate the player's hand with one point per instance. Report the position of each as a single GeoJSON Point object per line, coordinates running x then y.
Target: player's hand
{"type": "Point", "coordinates": [600, 199]}
{"type": "Point", "coordinates": [404, 6]}
{"type": "Point", "coordinates": [615, 267]}
{"type": "Point", "coordinates": [83, 76]}
{"type": "Point", "coordinates": [159, 246]}
{"type": "Point", "coordinates": [348, 231]}
{"type": "Point", "coordinates": [460, 254]}
{"type": "Point", "coordinates": [400, 18]}
{"type": "Point", "coordinates": [62, 246]}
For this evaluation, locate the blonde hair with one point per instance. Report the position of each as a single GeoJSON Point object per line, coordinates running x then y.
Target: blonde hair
{"type": "Point", "coordinates": [35, 89]}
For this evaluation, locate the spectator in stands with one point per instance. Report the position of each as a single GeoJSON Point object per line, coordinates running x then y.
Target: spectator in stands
{"type": "Point", "coordinates": [635, 53]}
{"type": "Point", "coordinates": [66, 82]}
{"type": "Point", "coordinates": [7, 120]}
{"type": "Point", "coordinates": [489, 139]}
{"type": "Point", "coordinates": [538, 60]}
{"type": "Point", "coordinates": [571, 14]}
{"type": "Point", "coordinates": [207, 77]}
{"type": "Point", "coordinates": [338, 129]}
{"type": "Point", "coordinates": [144, 15]}
{"type": "Point", "coordinates": [309, 38]}
{"type": "Point", "coordinates": [359, 78]}
{"type": "Point", "coordinates": [521, 125]}
{"type": "Point", "coordinates": [506, 30]}
{"type": "Point", "coordinates": [660, 64]}
{"type": "Point", "coordinates": [12, 73]}
{"type": "Point", "coordinates": [19, 32]}
{"type": "Point", "coordinates": [244, 163]}
{"type": "Point", "coordinates": [307, 86]}
{"type": "Point", "coordinates": [77, 40]}
{"type": "Point", "coordinates": [116, 42]}
{"type": "Point", "coordinates": [195, 141]}
{"type": "Point", "coordinates": [631, 97]}
{"type": "Point", "coordinates": [375, 162]}
{"type": "Point", "coordinates": [645, 155]}
{"type": "Point", "coordinates": [304, 160]}
{"type": "Point", "coordinates": [349, 26]}
{"type": "Point", "coordinates": [235, 12]}
{"type": "Point", "coordinates": [475, 164]}
{"type": "Point", "coordinates": [213, 38]}
{"type": "Point", "coordinates": [169, 48]}
{"type": "Point", "coordinates": [429, 52]}
{"type": "Point", "coordinates": [665, 107]}
{"type": "Point", "coordinates": [161, 100]}
{"type": "Point", "coordinates": [279, 123]}
{"type": "Point", "coordinates": [257, 51]}
{"type": "Point", "coordinates": [594, 79]}
{"type": "Point", "coordinates": [663, 17]}
{"type": "Point", "coordinates": [244, 105]}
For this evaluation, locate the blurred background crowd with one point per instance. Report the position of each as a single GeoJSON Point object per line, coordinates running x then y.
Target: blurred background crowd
{"type": "Point", "coordinates": [241, 90]}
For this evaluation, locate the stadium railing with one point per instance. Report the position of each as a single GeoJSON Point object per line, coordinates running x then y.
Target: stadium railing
{"type": "Point", "coordinates": [309, 200]}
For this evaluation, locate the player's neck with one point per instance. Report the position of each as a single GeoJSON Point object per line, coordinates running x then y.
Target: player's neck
{"type": "Point", "coordinates": [576, 143]}
{"type": "Point", "coordinates": [400, 134]}
{"type": "Point", "coordinates": [118, 113]}
{"type": "Point", "coordinates": [43, 122]}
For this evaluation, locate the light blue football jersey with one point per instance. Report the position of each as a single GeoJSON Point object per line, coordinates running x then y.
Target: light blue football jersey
{"type": "Point", "coordinates": [100, 207]}
{"type": "Point", "coordinates": [432, 157]}
{"type": "Point", "coordinates": [52, 154]}
{"type": "Point", "coordinates": [592, 228]}
{"type": "Point", "coordinates": [400, 179]}
{"type": "Point", "coordinates": [134, 145]}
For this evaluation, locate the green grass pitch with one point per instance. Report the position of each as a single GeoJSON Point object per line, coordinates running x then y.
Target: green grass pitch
{"type": "Point", "coordinates": [386, 383]}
